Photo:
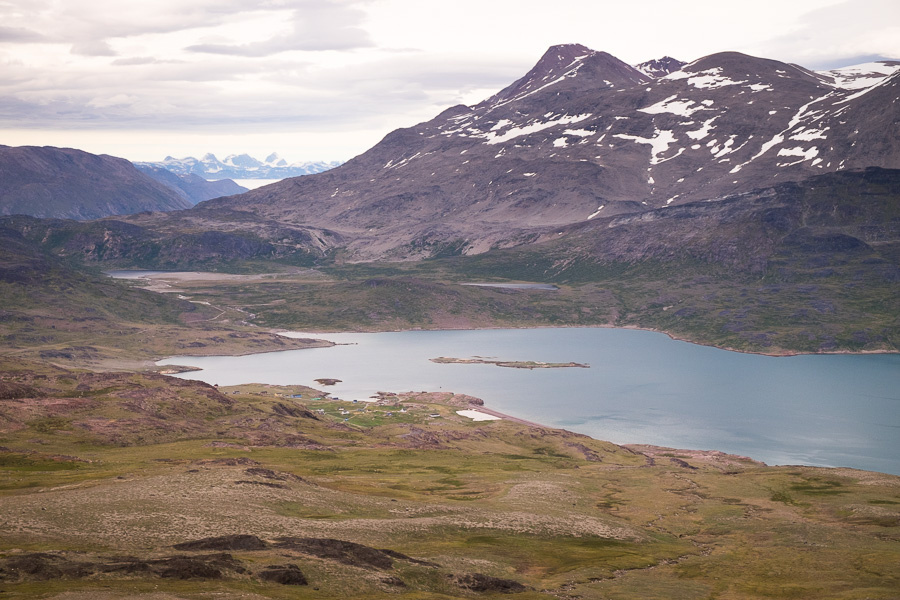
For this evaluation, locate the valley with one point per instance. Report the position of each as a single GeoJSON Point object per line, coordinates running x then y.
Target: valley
{"type": "Point", "coordinates": [734, 201]}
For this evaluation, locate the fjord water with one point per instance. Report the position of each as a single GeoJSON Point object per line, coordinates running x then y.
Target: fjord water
{"type": "Point", "coordinates": [641, 387]}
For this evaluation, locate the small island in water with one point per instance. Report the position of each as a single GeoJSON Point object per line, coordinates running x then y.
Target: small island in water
{"type": "Point", "coordinates": [515, 364]}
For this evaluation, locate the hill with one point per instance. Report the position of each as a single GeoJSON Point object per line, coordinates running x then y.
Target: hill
{"type": "Point", "coordinates": [71, 184]}
{"type": "Point", "coordinates": [145, 486]}
{"type": "Point", "coordinates": [191, 187]}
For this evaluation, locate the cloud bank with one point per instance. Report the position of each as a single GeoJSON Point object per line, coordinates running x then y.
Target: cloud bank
{"type": "Point", "coordinates": [307, 72]}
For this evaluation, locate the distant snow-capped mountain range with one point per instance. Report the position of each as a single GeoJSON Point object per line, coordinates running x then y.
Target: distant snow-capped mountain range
{"type": "Point", "coordinates": [240, 166]}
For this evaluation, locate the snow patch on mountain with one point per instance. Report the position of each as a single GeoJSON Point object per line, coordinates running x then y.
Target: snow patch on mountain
{"type": "Point", "coordinates": [684, 108]}
{"type": "Point", "coordinates": [659, 143]}
{"type": "Point", "coordinates": [805, 154]}
{"type": "Point", "coordinates": [861, 76]}
{"type": "Point", "coordinates": [492, 137]}
{"type": "Point", "coordinates": [699, 134]}
{"type": "Point", "coordinates": [529, 89]}
{"type": "Point", "coordinates": [711, 79]}
{"type": "Point", "coordinates": [704, 80]}
{"type": "Point", "coordinates": [810, 134]}
{"type": "Point", "coordinates": [804, 113]}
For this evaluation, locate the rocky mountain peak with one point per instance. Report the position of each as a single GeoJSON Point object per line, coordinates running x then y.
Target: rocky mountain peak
{"type": "Point", "coordinates": [741, 68]}
{"type": "Point", "coordinates": [578, 65]}
{"type": "Point", "coordinates": [242, 160]}
{"type": "Point", "coordinates": [660, 67]}
{"type": "Point", "coordinates": [273, 160]}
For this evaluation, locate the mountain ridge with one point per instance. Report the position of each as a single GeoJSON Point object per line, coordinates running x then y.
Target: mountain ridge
{"type": "Point", "coordinates": [69, 183]}
{"type": "Point", "coordinates": [191, 187]}
{"type": "Point", "coordinates": [582, 134]}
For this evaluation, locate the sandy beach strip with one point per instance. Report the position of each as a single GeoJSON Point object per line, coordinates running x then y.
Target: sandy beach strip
{"type": "Point", "coordinates": [500, 415]}
{"type": "Point", "coordinates": [477, 415]}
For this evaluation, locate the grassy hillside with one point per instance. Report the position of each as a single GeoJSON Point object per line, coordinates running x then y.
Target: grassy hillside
{"type": "Point", "coordinates": [54, 310]}
{"type": "Point", "coordinates": [137, 485]}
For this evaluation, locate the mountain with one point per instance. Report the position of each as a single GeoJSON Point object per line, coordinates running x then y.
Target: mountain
{"type": "Point", "coordinates": [71, 184]}
{"type": "Point", "coordinates": [238, 166]}
{"type": "Point", "coordinates": [191, 187]}
{"type": "Point", "coordinates": [757, 200]}
{"type": "Point", "coordinates": [584, 135]}
{"type": "Point", "coordinates": [660, 67]}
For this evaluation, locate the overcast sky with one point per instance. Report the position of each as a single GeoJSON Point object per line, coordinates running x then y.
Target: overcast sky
{"type": "Point", "coordinates": [327, 79]}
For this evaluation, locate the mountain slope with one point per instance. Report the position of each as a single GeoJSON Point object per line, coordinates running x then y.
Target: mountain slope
{"type": "Point", "coordinates": [583, 135]}
{"type": "Point", "coordinates": [191, 187]}
{"type": "Point", "coordinates": [71, 184]}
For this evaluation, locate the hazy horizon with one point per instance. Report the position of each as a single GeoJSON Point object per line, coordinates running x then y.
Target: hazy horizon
{"type": "Point", "coordinates": [327, 79]}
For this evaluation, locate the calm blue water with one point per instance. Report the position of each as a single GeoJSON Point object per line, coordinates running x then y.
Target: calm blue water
{"type": "Point", "coordinates": [642, 387]}
{"type": "Point", "coordinates": [132, 274]}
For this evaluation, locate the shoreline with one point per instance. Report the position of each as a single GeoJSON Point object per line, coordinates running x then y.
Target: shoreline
{"type": "Point", "coordinates": [322, 336]}
{"type": "Point", "coordinates": [505, 417]}
{"type": "Point", "coordinates": [210, 276]}
{"type": "Point", "coordinates": [782, 354]}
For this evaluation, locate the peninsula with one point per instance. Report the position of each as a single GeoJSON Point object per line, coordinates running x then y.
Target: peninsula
{"type": "Point", "coordinates": [514, 364]}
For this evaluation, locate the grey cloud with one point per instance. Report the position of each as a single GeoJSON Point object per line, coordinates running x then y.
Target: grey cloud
{"type": "Point", "coordinates": [19, 34]}
{"type": "Point", "coordinates": [93, 48]}
{"type": "Point", "coordinates": [315, 27]}
{"type": "Point", "coordinates": [135, 61]}
{"type": "Point", "coordinates": [838, 34]}
{"type": "Point", "coordinates": [838, 62]}
{"type": "Point", "coordinates": [86, 22]}
{"type": "Point", "coordinates": [399, 88]}
{"type": "Point", "coordinates": [428, 73]}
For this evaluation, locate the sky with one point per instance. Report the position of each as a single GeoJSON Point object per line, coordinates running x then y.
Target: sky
{"type": "Point", "coordinates": [327, 79]}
